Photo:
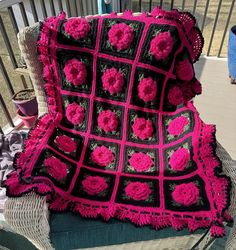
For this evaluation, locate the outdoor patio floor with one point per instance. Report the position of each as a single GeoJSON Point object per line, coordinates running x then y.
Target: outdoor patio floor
{"type": "Point", "coordinates": [217, 104]}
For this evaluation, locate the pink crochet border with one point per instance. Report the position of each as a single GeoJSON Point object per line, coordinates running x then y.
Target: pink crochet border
{"type": "Point", "coordinates": [22, 182]}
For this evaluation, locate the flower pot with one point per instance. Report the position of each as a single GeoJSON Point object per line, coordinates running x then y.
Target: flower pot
{"type": "Point", "coordinates": [26, 101]}
{"type": "Point", "coordinates": [232, 54]}
{"type": "Point", "coordinates": [27, 120]}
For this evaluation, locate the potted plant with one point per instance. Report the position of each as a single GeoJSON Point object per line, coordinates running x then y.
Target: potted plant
{"type": "Point", "coordinates": [27, 105]}
{"type": "Point", "coordinates": [26, 101]}
{"type": "Point", "coordinates": [27, 120]}
{"type": "Point", "coordinates": [232, 54]}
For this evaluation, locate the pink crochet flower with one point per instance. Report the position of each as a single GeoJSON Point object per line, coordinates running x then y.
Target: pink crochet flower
{"type": "Point", "coordinates": [179, 159]}
{"type": "Point", "coordinates": [197, 87]}
{"type": "Point", "coordinates": [65, 143]}
{"type": "Point", "coordinates": [108, 121]}
{"type": "Point", "coordinates": [55, 168]}
{"type": "Point", "coordinates": [112, 81]}
{"type": "Point", "coordinates": [120, 36]}
{"type": "Point", "coordinates": [142, 128]}
{"type": "Point", "coordinates": [175, 96]}
{"type": "Point", "coordinates": [77, 27]}
{"type": "Point", "coordinates": [75, 113]}
{"type": "Point", "coordinates": [186, 194]}
{"type": "Point", "coordinates": [75, 72]}
{"type": "Point", "coordinates": [176, 127]}
{"type": "Point", "coordinates": [161, 45]}
{"type": "Point", "coordinates": [94, 185]}
{"type": "Point", "coordinates": [138, 191]}
{"type": "Point", "coordinates": [147, 89]}
{"type": "Point", "coordinates": [141, 162]}
{"type": "Point", "coordinates": [184, 70]}
{"type": "Point", "coordinates": [188, 91]}
{"type": "Point", "coordinates": [102, 156]}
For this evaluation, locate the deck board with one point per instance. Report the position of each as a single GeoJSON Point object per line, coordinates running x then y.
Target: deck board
{"type": "Point", "coordinates": [217, 104]}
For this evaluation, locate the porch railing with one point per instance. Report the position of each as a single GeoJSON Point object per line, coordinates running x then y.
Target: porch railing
{"type": "Point", "coordinates": [214, 19]}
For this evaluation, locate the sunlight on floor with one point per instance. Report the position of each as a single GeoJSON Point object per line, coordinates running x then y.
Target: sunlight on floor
{"type": "Point", "coordinates": [217, 104]}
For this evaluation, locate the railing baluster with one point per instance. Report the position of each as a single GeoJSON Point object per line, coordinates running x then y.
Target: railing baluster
{"type": "Point", "coordinates": [13, 20]}
{"type": "Point", "coordinates": [60, 5]}
{"type": "Point", "coordinates": [161, 3]}
{"type": "Point", "coordinates": [82, 8]}
{"type": "Point", "coordinates": [150, 5]}
{"type": "Point", "coordinates": [205, 13]}
{"type": "Point", "coordinates": [76, 8]}
{"type": "Point", "coordinates": [194, 6]}
{"type": "Point", "coordinates": [68, 8]}
{"type": "Point", "coordinates": [226, 27]}
{"type": "Point", "coordinates": [214, 27]}
{"type": "Point", "coordinates": [92, 5]}
{"type": "Point", "coordinates": [52, 7]}
{"type": "Point", "coordinates": [6, 112]}
{"type": "Point", "coordinates": [34, 12]}
{"type": "Point", "coordinates": [23, 14]}
{"type": "Point", "coordinates": [23, 81]}
{"type": "Point", "coordinates": [43, 8]}
{"type": "Point", "coordinates": [172, 4]}
{"type": "Point", "coordinates": [6, 77]}
{"type": "Point", "coordinates": [7, 43]}
{"type": "Point", "coordinates": [140, 5]}
{"type": "Point", "coordinates": [183, 4]}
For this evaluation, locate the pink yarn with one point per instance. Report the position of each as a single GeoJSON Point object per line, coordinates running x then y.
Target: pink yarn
{"type": "Point", "coordinates": [141, 162]}
{"type": "Point", "coordinates": [102, 156]}
{"type": "Point", "coordinates": [161, 45]}
{"type": "Point", "coordinates": [65, 143]}
{"type": "Point", "coordinates": [108, 121]}
{"type": "Point", "coordinates": [75, 72]}
{"type": "Point", "coordinates": [77, 27]}
{"type": "Point", "coordinates": [142, 128]}
{"type": "Point", "coordinates": [197, 87]}
{"type": "Point", "coordinates": [94, 185]}
{"type": "Point", "coordinates": [187, 91]}
{"type": "Point", "coordinates": [56, 168]}
{"type": "Point", "coordinates": [186, 194]}
{"type": "Point", "coordinates": [147, 89]}
{"type": "Point", "coordinates": [138, 191]}
{"type": "Point", "coordinates": [184, 70]}
{"type": "Point", "coordinates": [75, 113]}
{"type": "Point", "coordinates": [175, 96]}
{"type": "Point", "coordinates": [177, 126]}
{"type": "Point", "coordinates": [112, 80]}
{"type": "Point", "coordinates": [120, 36]}
{"type": "Point", "coordinates": [179, 159]}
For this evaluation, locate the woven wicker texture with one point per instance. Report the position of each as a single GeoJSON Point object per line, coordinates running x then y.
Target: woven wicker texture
{"type": "Point", "coordinates": [27, 39]}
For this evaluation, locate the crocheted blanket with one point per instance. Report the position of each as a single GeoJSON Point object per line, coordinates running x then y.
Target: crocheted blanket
{"type": "Point", "coordinates": [122, 138]}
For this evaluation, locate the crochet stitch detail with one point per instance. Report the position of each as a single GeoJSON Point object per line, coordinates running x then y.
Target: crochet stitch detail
{"type": "Point", "coordinates": [141, 162]}
{"type": "Point", "coordinates": [75, 113]}
{"type": "Point", "coordinates": [94, 185]}
{"type": "Point", "coordinates": [147, 89]}
{"type": "Point", "coordinates": [112, 80]}
{"type": "Point", "coordinates": [75, 72]}
{"type": "Point", "coordinates": [102, 156]}
{"type": "Point", "coordinates": [78, 28]}
{"type": "Point", "coordinates": [65, 143]}
{"type": "Point", "coordinates": [138, 191]}
{"type": "Point", "coordinates": [107, 121]}
{"type": "Point", "coordinates": [56, 168]}
{"type": "Point", "coordinates": [161, 45]}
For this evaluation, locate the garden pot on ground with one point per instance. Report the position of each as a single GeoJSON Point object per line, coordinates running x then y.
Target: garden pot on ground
{"type": "Point", "coordinates": [26, 101]}
{"type": "Point", "coordinates": [232, 54]}
{"type": "Point", "coordinates": [27, 120]}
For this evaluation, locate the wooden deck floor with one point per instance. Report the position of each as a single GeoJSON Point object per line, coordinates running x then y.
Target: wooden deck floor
{"type": "Point", "coordinates": [217, 104]}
